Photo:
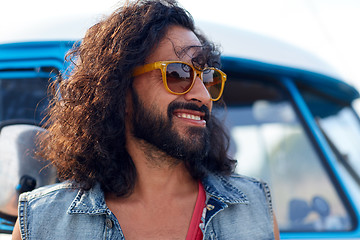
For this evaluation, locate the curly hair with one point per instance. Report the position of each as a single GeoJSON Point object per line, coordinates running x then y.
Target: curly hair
{"type": "Point", "coordinates": [86, 117]}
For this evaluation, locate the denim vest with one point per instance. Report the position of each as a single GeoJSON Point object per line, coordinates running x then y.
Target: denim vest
{"type": "Point", "coordinates": [237, 207]}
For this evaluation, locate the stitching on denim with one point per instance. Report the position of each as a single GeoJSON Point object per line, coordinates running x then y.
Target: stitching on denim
{"type": "Point", "coordinates": [77, 200]}
{"type": "Point", "coordinates": [223, 198]}
{"type": "Point", "coordinates": [23, 220]}
{"type": "Point", "coordinates": [211, 234]}
{"type": "Point", "coordinates": [39, 192]}
{"type": "Point", "coordinates": [232, 187]}
{"type": "Point", "coordinates": [115, 222]}
{"type": "Point", "coordinates": [267, 192]}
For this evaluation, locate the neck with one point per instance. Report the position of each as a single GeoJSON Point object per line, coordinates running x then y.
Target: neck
{"type": "Point", "coordinates": [158, 174]}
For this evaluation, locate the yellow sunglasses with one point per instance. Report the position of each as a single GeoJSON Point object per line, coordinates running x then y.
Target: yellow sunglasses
{"type": "Point", "coordinates": [179, 77]}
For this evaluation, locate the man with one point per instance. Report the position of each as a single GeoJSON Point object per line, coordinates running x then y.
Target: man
{"type": "Point", "coordinates": [131, 132]}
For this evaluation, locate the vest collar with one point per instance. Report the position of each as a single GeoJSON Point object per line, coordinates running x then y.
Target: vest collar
{"type": "Point", "coordinates": [219, 187]}
{"type": "Point", "coordinates": [89, 202]}
{"type": "Point", "coordinates": [222, 188]}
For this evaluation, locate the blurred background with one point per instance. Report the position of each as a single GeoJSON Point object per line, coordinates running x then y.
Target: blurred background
{"type": "Point", "coordinates": [329, 29]}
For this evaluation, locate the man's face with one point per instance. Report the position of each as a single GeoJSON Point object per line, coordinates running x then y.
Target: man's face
{"type": "Point", "coordinates": [176, 124]}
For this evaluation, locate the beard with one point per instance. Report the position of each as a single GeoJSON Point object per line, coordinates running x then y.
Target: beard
{"type": "Point", "coordinates": [191, 148]}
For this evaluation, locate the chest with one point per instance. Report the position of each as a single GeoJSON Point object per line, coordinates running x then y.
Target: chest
{"type": "Point", "coordinates": [160, 221]}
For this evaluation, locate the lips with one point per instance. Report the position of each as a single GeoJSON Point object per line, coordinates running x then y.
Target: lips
{"type": "Point", "coordinates": [191, 116]}
{"type": "Point", "coordinates": [189, 113]}
{"type": "Point", "coordinates": [188, 116]}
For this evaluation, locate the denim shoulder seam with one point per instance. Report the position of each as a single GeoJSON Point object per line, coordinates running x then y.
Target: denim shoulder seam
{"type": "Point", "coordinates": [22, 209]}
{"type": "Point", "coordinates": [266, 190]}
{"type": "Point", "coordinates": [251, 179]}
{"type": "Point", "coordinates": [44, 191]}
{"type": "Point", "coordinates": [263, 186]}
{"type": "Point", "coordinates": [228, 192]}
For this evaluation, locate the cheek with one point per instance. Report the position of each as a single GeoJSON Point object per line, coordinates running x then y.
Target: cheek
{"type": "Point", "coordinates": [153, 93]}
{"type": "Point", "coordinates": [149, 86]}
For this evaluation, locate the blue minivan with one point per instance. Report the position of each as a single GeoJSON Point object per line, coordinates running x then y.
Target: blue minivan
{"type": "Point", "coordinates": [294, 127]}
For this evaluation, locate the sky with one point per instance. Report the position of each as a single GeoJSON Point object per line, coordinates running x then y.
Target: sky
{"type": "Point", "coordinates": [328, 29]}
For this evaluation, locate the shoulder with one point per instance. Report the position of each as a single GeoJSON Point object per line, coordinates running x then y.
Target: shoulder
{"type": "Point", "coordinates": [55, 191]}
{"type": "Point", "coordinates": [37, 208]}
{"type": "Point", "coordinates": [238, 178]}
{"type": "Point", "coordinates": [63, 208]}
{"type": "Point", "coordinates": [252, 186]}
{"type": "Point", "coordinates": [66, 197]}
{"type": "Point", "coordinates": [237, 188]}
{"type": "Point", "coordinates": [248, 182]}
{"type": "Point", "coordinates": [235, 182]}
{"type": "Point", "coordinates": [246, 204]}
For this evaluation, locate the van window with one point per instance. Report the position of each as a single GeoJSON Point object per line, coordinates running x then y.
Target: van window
{"type": "Point", "coordinates": [341, 127]}
{"type": "Point", "coordinates": [270, 143]}
{"type": "Point", "coordinates": [23, 98]}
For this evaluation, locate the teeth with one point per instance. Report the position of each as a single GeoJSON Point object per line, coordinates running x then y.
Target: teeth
{"type": "Point", "coordinates": [189, 116]}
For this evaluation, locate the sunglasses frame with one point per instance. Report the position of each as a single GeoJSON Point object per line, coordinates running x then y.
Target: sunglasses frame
{"type": "Point", "coordinates": [162, 65]}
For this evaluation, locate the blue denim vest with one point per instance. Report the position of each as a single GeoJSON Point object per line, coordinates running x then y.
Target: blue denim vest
{"type": "Point", "coordinates": [237, 207]}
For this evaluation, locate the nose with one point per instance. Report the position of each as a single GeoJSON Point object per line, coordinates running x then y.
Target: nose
{"type": "Point", "coordinates": [198, 93]}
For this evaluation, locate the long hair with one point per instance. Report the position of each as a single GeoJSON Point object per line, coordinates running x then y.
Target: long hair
{"type": "Point", "coordinates": [85, 137]}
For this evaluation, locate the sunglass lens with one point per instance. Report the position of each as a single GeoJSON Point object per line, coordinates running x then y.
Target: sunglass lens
{"type": "Point", "coordinates": [213, 82]}
{"type": "Point", "coordinates": [179, 77]}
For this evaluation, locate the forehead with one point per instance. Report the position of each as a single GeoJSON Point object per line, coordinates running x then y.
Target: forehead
{"type": "Point", "coordinates": [178, 44]}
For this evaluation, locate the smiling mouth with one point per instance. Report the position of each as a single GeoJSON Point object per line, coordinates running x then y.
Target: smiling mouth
{"type": "Point", "coordinates": [190, 113]}
{"type": "Point", "coordinates": [189, 116]}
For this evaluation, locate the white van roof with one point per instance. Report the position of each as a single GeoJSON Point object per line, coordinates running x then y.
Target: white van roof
{"type": "Point", "coordinates": [234, 42]}
{"type": "Point", "coordinates": [253, 46]}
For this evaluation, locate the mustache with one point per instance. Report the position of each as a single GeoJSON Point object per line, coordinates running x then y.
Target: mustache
{"type": "Point", "coordinates": [189, 106]}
